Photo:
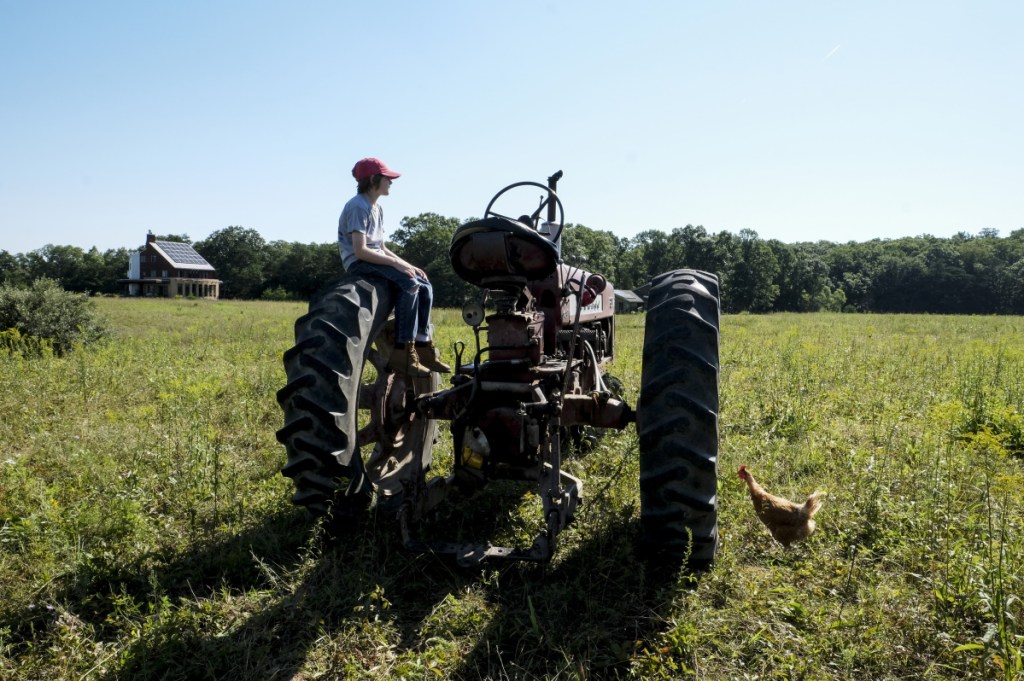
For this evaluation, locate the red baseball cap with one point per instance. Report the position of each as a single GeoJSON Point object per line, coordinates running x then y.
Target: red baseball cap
{"type": "Point", "coordinates": [368, 167]}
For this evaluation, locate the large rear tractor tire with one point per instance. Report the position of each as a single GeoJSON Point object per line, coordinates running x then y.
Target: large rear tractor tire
{"type": "Point", "coordinates": [677, 419]}
{"type": "Point", "coordinates": [339, 398]}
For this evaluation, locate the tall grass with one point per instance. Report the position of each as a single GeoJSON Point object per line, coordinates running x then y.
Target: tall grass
{"type": "Point", "coordinates": [145, 531]}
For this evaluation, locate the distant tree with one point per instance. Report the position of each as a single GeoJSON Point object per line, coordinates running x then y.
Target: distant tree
{"type": "Point", "coordinates": [696, 249]}
{"type": "Point", "coordinates": [896, 287]}
{"type": "Point", "coordinates": [789, 279]}
{"type": "Point", "coordinates": [90, 276]}
{"type": "Point", "coordinates": [63, 264]}
{"type": "Point", "coordinates": [300, 270]}
{"type": "Point", "coordinates": [945, 284]}
{"type": "Point", "coordinates": [654, 252]}
{"type": "Point", "coordinates": [592, 250]}
{"type": "Point", "coordinates": [113, 265]}
{"type": "Point", "coordinates": [856, 289]}
{"type": "Point", "coordinates": [276, 272]}
{"type": "Point", "coordinates": [240, 257]}
{"type": "Point", "coordinates": [803, 279]}
{"type": "Point", "coordinates": [984, 259]}
{"type": "Point", "coordinates": [726, 248]}
{"type": "Point", "coordinates": [11, 270]}
{"type": "Point", "coordinates": [965, 274]}
{"type": "Point", "coordinates": [1011, 289]}
{"type": "Point", "coordinates": [74, 269]}
{"type": "Point", "coordinates": [853, 267]}
{"type": "Point", "coordinates": [751, 275]}
{"type": "Point", "coordinates": [179, 238]}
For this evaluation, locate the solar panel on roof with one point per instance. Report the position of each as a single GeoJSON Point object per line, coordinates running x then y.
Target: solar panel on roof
{"type": "Point", "coordinates": [181, 254]}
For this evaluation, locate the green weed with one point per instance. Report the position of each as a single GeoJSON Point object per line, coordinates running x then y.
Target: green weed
{"type": "Point", "coordinates": [145, 530]}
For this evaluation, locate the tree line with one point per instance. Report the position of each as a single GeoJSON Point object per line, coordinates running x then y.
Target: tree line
{"type": "Point", "coordinates": [964, 274]}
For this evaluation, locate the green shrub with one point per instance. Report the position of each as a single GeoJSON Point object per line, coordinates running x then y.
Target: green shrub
{"type": "Point", "coordinates": [277, 293]}
{"type": "Point", "coordinates": [12, 342]}
{"type": "Point", "coordinates": [47, 312]}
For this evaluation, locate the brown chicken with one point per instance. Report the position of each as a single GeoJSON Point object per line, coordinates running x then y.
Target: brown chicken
{"type": "Point", "coordinates": [788, 522]}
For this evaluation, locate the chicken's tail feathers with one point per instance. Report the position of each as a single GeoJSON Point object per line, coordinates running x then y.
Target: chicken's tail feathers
{"type": "Point", "coordinates": [813, 503]}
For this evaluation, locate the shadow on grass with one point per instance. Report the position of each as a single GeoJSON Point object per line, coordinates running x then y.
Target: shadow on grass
{"type": "Point", "coordinates": [271, 601]}
{"type": "Point", "coordinates": [106, 593]}
{"type": "Point", "coordinates": [261, 623]}
{"type": "Point", "coordinates": [267, 631]}
{"type": "Point", "coordinates": [584, 616]}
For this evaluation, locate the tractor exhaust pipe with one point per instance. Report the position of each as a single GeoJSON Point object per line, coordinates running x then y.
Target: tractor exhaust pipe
{"type": "Point", "coordinates": [553, 185]}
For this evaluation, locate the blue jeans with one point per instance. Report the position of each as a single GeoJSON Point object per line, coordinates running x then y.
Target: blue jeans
{"type": "Point", "coordinates": [415, 298]}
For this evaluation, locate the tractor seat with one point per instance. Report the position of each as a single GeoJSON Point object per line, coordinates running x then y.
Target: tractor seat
{"type": "Point", "coordinates": [497, 252]}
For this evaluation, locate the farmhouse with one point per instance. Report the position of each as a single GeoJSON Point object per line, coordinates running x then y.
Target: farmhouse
{"type": "Point", "coordinates": [628, 301]}
{"type": "Point", "coordinates": [165, 269]}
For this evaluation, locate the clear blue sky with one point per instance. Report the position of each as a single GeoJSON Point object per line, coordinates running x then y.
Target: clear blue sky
{"type": "Point", "coordinates": [800, 120]}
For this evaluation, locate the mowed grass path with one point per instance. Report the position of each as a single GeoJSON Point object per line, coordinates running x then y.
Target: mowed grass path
{"type": "Point", "coordinates": [146, 533]}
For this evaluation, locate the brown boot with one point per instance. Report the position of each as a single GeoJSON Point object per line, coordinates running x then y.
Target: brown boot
{"type": "Point", "coordinates": [404, 360]}
{"type": "Point", "coordinates": [431, 358]}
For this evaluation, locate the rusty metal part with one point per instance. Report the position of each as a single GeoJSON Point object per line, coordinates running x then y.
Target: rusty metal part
{"type": "Point", "coordinates": [600, 410]}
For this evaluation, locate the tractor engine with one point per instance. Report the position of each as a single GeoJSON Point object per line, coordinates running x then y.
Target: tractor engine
{"type": "Point", "coordinates": [515, 335]}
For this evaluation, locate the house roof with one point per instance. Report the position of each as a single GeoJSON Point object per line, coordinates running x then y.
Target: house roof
{"type": "Point", "coordinates": [628, 296]}
{"type": "Point", "coordinates": [182, 255]}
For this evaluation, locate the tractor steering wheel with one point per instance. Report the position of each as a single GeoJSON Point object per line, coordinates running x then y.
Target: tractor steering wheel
{"type": "Point", "coordinates": [552, 196]}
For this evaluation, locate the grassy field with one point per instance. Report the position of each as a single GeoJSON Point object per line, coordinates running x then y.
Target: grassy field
{"type": "Point", "coordinates": [145, 532]}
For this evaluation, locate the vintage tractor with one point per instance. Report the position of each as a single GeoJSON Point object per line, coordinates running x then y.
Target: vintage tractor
{"type": "Point", "coordinates": [532, 382]}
